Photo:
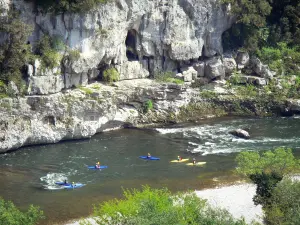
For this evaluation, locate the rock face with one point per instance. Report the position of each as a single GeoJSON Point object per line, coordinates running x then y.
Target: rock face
{"type": "Point", "coordinates": [240, 133]}
{"type": "Point", "coordinates": [214, 69]}
{"type": "Point", "coordinates": [138, 37]}
{"type": "Point", "coordinates": [82, 112]}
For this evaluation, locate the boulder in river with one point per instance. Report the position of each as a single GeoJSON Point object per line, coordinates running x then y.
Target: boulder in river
{"type": "Point", "coordinates": [240, 133]}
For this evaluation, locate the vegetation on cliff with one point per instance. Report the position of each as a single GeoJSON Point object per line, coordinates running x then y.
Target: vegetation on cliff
{"type": "Point", "coordinates": [14, 51]}
{"type": "Point", "coordinates": [270, 29]}
{"type": "Point", "coordinates": [69, 6]}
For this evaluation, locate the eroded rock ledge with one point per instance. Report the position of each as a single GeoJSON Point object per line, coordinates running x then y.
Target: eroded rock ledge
{"type": "Point", "coordinates": [80, 113]}
{"type": "Point", "coordinates": [83, 112]}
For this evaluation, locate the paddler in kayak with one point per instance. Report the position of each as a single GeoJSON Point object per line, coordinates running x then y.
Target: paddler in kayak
{"type": "Point", "coordinates": [179, 158]}
{"type": "Point", "coordinates": [73, 184]}
{"type": "Point", "coordinates": [194, 161]}
{"type": "Point", "coordinates": [65, 182]}
{"type": "Point", "coordinates": [149, 155]}
{"type": "Point", "coordinates": [98, 165]}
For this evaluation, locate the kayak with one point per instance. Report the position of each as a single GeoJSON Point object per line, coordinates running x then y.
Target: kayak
{"type": "Point", "coordinates": [62, 183]}
{"type": "Point", "coordinates": [177, 161]}
{"type": "Point", "coordinates": [95, 168]}
{"type": "Point", "coordinates": [149, 158]}
{"type": "Point", "coordinates": [77, 185]}
{"type": "Point", "coordinates": [197, 164]}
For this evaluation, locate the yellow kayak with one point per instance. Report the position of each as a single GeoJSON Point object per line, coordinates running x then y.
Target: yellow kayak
{"type": "Point", "coordinates": [197, 164]}
{"type": "Point", "coordinates": [183, 160]}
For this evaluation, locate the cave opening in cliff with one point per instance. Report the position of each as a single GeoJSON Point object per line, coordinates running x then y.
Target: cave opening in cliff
{"type": "Point", "coordinates": [130, 42]}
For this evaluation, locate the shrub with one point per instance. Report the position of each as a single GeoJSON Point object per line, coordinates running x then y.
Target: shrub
{"type": "Point", "coordinates": [159, 206]}
{"type": "Point", "coordinates": [148, 105]}
{"type": "Point", "coordinates": [73, 54]}
{"type": "Point", "coordinates": [111, 75]}
{"type": "Point", "coordinates": [10, 215]}
{"type": "Point", "coordinates": [3, 88]}
{"type": "Point", "coordinates": [72, 6]}
{"type": "Point", "coordinates": [266, 170]}
{"type": "Point", "coordinates": [50, 59]}
{"type": "Point", "coordinates": [285, 201]}
{"type": "Point", "coordinates": [14, 52]}
{"type": "Point", "coordinates": [46, 48]}
{"type": "Point", "coordinates": [86, 90]}
{"type": "Point", "coordinates": [167, 77]}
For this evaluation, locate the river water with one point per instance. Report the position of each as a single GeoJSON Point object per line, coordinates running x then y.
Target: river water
{"type": "Point", "coordinates": [27, 176]}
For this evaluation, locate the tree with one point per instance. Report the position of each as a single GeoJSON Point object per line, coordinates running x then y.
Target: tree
{"type": "Point", "coordinates": [285, 204]}
{"type": "Point", "coordinates": [14, 52]}
{"type": "Point", "coordinates": [266, 170]}
{"type": "Point", "coordinates": [11, 215]}
{"type": "Point", "coordinates": [251, 16]}
{"type": "Point", "coordinates": [159, 206]}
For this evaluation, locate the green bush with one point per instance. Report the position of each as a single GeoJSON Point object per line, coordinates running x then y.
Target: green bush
{"type": "Point", "coordinates": [14, 52]}
{"type": "Point", "coordinates": [159, 206]}
{"type": "Point", "coordinates": [86, 90]}
{"type": "Point", "coordinates": [111, 75]}
{"type": "Point", "coordinates": [73, 55]}
{"type": "Point", "coordinates": [148, 105]}
{"type": "Point", "coordinates": [47, 49]}
{"type": "Point", "coordinates": [284, 208]}
{"type": "Point", "coordinates": [167, 77]}
{"type": "Point", "coordinates": [10, 215]}
{"type": "Point", "coordinates": [266, 170]}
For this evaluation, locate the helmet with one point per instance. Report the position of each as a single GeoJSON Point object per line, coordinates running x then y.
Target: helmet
{"type": "Point", "coordinates": [178, 156]}
{"type": "Point", "coordinates": [98, 162]}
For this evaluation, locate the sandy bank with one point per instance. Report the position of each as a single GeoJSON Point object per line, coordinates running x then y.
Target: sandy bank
{"type": "Point", "coordinates": [237, 199]}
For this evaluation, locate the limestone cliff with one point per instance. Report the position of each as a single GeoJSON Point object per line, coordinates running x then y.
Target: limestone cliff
{"type": "Point", "coordinates": [138, 37]}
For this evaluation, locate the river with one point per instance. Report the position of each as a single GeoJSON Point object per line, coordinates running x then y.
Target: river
{"type": "Point", "coordinates": [27, 176]}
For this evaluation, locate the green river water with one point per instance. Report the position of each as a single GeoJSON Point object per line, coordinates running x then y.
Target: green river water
{"type": "Point", "coordinates": [27, 176]}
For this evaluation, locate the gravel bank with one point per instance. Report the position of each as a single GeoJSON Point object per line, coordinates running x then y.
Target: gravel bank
{"type": "Point", "coordinates": [237, 199]}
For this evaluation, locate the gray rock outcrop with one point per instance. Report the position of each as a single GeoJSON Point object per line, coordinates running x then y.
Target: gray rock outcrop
{"type": "Point", "coordinates": [156, 34]}
{"type": "Point", "coordinates": [240, 133]}
{"type": "Point", "coordinates": [260, 69]}
{"type": "Point", "coordinates": [214, 68]}
{"type": "Point", "coordinates": [82, 112]}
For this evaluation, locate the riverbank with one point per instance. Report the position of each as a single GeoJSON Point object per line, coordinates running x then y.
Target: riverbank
{"type": "Point", "coordinates": [237, 199]}
{"type": "Point", "coordinates": [82, 112]}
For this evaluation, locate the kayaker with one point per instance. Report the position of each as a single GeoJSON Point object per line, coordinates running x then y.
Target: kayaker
{"type": "Point", "coordinates": [98, 165]}
{"type": "Point", "coordinates": [194, 161]}
{"type": "Point", "coordinates": [179, 158]}
{"type": "Point", "coordinates": [73, 184]}
{"type": "Point", "coordinates": [65, 182]}
{"type": "Point", "coordinates": [149, 155]}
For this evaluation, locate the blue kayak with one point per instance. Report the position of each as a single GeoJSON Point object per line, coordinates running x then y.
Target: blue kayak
{"type": "Point", "coordinates": [149, 158]}
{"type": "Point", "coordinates": [95, 168]}
{"type": "Point", "coordinates": [77, 185]}
{"type": "Point", "coordinates": [62, 183]}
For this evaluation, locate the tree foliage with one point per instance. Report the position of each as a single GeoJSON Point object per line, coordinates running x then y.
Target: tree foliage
{"type": "Point", "coordinates": [285, 204]}
{"type": "Point", "coordinates": [71, 6]}
{"type": "Point", "coordinates": [266, 170]}
{"type": "Point", "coordinates": [110, 75]}
{"type": "Point", "coordinates": [14, 52]}
{"type": "Point", "coordinates": [263, 23]}
{"type": "Point", "coordinates": [11, 215]}
{"type": "Point", "coordinates": [159, 206]}
{"type": "Point", "coordinates": [280, 161]}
